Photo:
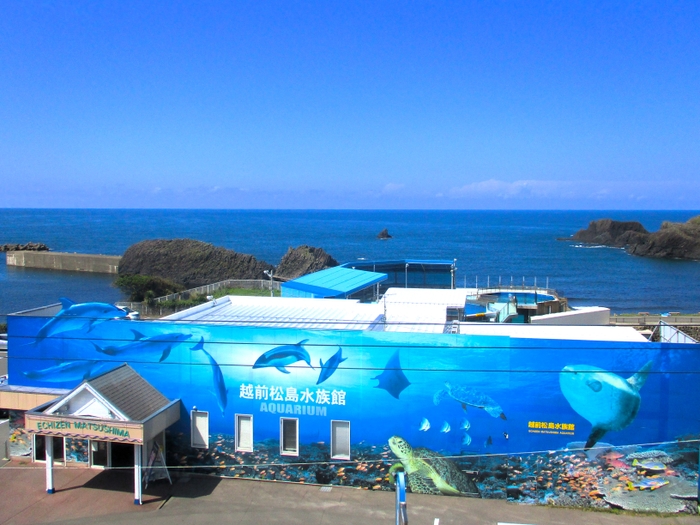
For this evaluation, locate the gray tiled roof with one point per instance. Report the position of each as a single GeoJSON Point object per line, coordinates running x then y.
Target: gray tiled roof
{"type": "Point", "coordinates": [130, 393]}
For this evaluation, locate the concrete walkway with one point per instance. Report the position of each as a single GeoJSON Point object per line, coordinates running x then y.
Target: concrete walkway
{"type": "Point", "coordinates": [86, 496]}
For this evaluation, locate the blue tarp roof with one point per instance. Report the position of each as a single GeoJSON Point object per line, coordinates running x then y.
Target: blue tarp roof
{"type": "Point", "coordinates": [335, 282]}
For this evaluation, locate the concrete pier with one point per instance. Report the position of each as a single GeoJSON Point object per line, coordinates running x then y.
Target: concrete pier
{"type": "Point", "coordinates": [72, 262]}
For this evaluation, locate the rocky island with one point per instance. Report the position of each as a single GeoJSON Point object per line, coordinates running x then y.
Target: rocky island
{"type": "Point", "coordinates": [383, 235]}
{"type": "Point", "coordinates": [675, 240]}
{"type": "Point", "coordinates": [189, 263]}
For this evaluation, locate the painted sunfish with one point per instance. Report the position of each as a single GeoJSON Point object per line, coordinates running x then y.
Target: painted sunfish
{"type": "Point", "coordinates": [606, 400]}
{"type": "Point", "coordinates": [282, 356]}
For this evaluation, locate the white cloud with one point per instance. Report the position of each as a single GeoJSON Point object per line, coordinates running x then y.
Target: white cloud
{"type": "Point", "coordinates": [392, 187]}
{"type": "Point", "coordinates": [508, 190]}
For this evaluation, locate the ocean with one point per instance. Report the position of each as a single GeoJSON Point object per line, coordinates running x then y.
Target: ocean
{"type": "Point", "coordinates": [488, 246]}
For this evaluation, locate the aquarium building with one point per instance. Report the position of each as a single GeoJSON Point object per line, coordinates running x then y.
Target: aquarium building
{"type": "Point", "coordinates": [338, 391]}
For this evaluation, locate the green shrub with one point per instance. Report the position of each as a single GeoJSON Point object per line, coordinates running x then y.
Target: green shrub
{"type": "Point", "coordinates": [141, 287]}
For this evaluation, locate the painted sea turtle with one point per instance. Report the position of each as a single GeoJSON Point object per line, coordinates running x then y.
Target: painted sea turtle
{"type": "Point", "coordinates": [429, 472]}
{"type": "Point", "coordinates": [468, 396]}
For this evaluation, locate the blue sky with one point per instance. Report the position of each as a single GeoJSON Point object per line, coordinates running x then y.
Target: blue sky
{"type": "Point", "coordinates": [329, 104]}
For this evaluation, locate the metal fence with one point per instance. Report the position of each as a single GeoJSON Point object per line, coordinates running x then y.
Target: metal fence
{"type": "Point", "coordinates": [157, 309]}
{"type": "Point", "coordinates": [247, 284]}
{"type": "Point", "coordinates": [646, 319]}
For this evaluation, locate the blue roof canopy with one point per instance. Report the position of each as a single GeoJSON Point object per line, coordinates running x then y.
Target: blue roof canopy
{"type": "Point", "coordinates": [332, 282]}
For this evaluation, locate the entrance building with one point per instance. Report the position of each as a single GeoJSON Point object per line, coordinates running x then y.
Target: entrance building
{"type": "Point", "coordinates": [117, 420]}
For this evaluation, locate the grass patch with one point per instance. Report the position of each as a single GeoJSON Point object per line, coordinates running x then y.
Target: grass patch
{"type": "Point", "coordinates": [197, 299]}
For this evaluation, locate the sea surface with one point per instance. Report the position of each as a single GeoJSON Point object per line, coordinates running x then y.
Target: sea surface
{"type": "Point", "coordinates": [488, 246]}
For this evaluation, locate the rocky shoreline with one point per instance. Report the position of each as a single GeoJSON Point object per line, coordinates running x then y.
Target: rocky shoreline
{"type": "Point", "coordinates": [28, 247]}
{"type": "Point", "coordinates": [674, 240]}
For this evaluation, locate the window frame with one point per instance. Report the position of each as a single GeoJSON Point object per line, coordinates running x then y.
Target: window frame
{"type": "Point", "coordinates": [237, 419]}
{"type": "Point", "coordinates": [339, 456]}
{"type": "Point", "coordinates": [294, 452]}
{"type": "Point", "coordinates": [197, 413]}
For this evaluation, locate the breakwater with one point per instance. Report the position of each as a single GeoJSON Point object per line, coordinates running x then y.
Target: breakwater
{"type": "Point", "coordinates": [72, 262]}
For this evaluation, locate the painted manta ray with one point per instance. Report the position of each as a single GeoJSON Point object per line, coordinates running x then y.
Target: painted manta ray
{"type": "Point", "coordinates": [282, 356]}
{"type": "Point", "coordinates": [161, 344]}
{"type": "Point", "coordinates": [330, 366]}
{"type": "Point", "coordinates": [606, 400]}
{"type": "Point", "coordinates": [78, 316]}
{"type": "Point", "coordinates": [392, 379]}
{"type": "Point", "coordinates": [220, 390]}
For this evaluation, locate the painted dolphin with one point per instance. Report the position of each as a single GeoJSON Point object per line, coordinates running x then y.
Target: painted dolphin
{"type": "Point", "coordinates": [330, 366]}
{"type": "Point", "coordinates": [220, 390]}
{"type": "Point", "coordinates": [606, 400]}
{"type": "Point", "coordinates": [284, 355]}
{"type": "Point", "coordinates": [68, 371]}
{"type": "Point", "coordinates": [143, 346]}
{"type": "Point", "coordinates": [77, 316]}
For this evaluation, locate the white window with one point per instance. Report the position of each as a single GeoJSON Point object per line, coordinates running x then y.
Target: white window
{"type": "Point", "coordinates": [199, 422]}
{"type": "Point", "coordinates": [289, 437]}
{"type": "Point", "coordinates": [244, 433]}
{"type": "Point", "coordinates": [340, 439]}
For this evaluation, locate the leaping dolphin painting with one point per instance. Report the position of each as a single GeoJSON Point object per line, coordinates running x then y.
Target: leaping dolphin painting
{"type": "Point", "coordinates": [220, 390]}
{"type": "Point", "coordinates": [282, 356]}
{"type": "Point", "coordinates": [606, 400]}
{"type": "Point", "coordinates": [330, 366]}
{"type": "Point", "coordinates": [68, 371]}
{"type": "Point", "coordinates": [161, 344]}
{"type": "Point", "coordinates": [78, 316]}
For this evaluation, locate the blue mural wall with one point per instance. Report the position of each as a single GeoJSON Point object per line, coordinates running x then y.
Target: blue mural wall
{"type": "Point", "coordinates": [433, 404]}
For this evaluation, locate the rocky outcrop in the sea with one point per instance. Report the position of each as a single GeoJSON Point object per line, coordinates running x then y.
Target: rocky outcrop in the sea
{"type": "Point", "coordinates": [29, 247]}
{"type": "Point", "coordinates": [302, 261]}
{"type": "Point", "coordinates": [674, 240]}
{"type": "Point", "coordinates": [383, 235]}
{"type": "Point", "coordinates": [612, 233]}
{"type": "Point", "coordinates": [190, 263]}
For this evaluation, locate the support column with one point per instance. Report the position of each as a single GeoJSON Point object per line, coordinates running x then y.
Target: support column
{"type": "Point", "coordinates": [138, 463]}
{"type": "Point", "coordinates": [50, 489]}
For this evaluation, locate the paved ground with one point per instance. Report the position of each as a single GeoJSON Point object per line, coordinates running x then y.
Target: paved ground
{"type": "Point", "coordinates": [86, 497]}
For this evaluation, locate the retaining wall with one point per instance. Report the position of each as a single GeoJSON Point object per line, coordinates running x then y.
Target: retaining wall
{"type": "Point", "coordinates": [73, 262]}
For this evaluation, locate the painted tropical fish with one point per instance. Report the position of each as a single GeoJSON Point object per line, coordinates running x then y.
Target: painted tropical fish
{"type": "Point", "coordinates": [282, 356]}
{"type": "Point", "coordinates": [649, 465]}
{"type": "Point", "coordinates": [606, 400]}
{"type": "Point", "coordinates": [465, 424]}
{"type": "Point", "coordinates": [424, 425]}
{"type": "Point", "coordinates": [466, 396]}
{"type": "Point", "coordinates": [68, 371]}
{"type": "Point", "coordinates": [445, 427]}
{"type": "Point", "coordinates": [78, 316]}
{"type": "Point", "coordinates": [466, 440]}
{"type": "Point", "coordinates": [330, 366]}
{"type": "Point", "coordinates": [220, 391]}
{"type": "Point", "coordinates": [142, 347]}
{"type": "Point", "coordinates": [392, 379]}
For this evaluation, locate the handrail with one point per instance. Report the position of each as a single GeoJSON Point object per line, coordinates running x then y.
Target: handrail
{"type": "Point", "coordinates": [401, 511]}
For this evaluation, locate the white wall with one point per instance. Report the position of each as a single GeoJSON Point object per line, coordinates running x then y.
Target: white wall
{"type": "Point", "coordinates": [588, 316]}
